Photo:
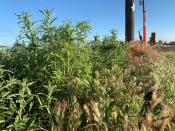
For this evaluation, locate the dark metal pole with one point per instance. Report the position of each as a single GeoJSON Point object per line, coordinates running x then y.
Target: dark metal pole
{"type": "Point", "coordinates": [143, 8]}
{"type": "Point", "coordinates": [129, 20]}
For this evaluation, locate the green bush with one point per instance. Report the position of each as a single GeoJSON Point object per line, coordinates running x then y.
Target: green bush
{"type": "Point", "coordinates": [53, 78]}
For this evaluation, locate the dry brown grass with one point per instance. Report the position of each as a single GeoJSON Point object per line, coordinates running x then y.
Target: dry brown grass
{"type": "Point", "coordinates": [166, 51]}
{"type": "Point", "coordinates": [142, 53]}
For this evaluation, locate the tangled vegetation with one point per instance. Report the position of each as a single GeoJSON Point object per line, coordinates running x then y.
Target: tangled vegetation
{"type": "Point", "coordinates": [53, 78]}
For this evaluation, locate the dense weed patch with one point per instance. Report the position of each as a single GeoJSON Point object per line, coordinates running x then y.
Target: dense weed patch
{"type": "Point", "coordinates": [54, 79]}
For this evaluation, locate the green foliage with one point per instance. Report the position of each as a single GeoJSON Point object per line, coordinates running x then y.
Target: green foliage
{"type": "Point", "coordinates": [16, 104]}
{"type": "Point", "coordinates": [164, 75]}
{"type": "Point", "coordinates": [62, 81]}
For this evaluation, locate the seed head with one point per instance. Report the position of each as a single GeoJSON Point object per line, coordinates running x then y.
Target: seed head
{"type": "Point", "coordinates": [86, 109]}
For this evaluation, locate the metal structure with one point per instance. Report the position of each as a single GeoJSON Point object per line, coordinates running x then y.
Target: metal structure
{"type": "Point", "coordinates": [129, 20]}
{"type": "Point", "coordinates": [142, 2]}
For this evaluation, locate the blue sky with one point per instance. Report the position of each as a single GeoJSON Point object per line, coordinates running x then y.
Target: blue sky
{"type": "Point", "coordinates": [102, 14]}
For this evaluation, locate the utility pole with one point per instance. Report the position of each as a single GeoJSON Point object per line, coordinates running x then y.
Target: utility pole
{"type": "Point", "coordinates": [142, 2]}
{"type": "Point", "coordinates": [129, 20]}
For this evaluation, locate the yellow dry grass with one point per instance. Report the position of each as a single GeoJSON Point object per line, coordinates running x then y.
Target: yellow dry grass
{"type": "Point", "coordinates": [167, 51]}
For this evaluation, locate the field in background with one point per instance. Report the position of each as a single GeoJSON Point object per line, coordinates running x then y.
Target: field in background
{"type": "Point", "coordinates": [167, 51]}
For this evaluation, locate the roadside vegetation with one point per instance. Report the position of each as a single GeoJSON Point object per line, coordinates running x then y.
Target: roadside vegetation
{"type": "Point", "coordinates": [54, 79]}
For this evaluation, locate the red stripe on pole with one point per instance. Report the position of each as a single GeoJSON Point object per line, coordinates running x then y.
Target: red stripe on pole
{"type": "Point", "coordinates": [144, 29]}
